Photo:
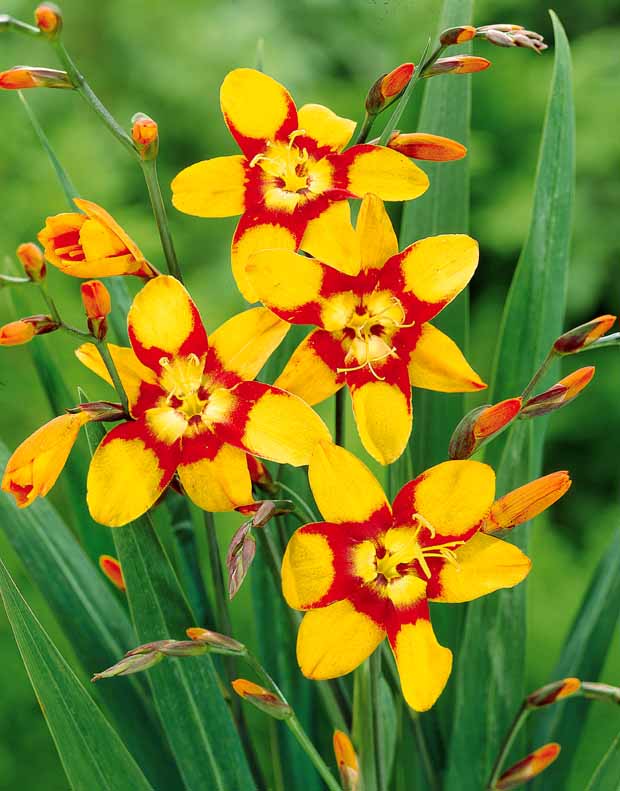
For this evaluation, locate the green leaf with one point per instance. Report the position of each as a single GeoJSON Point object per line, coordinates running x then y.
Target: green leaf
{"type": "Point", "coordinates": [489, 672]}
{"type": "Point", "coordinates": [389, 726]}
{"type": "Point", "coordinates": [607, 774]}
{"type": "Point", "coordinates": [91, 617]}
{"type": "Point", "coordinates": [583, 656]}
{"type": "Point", "coordinates": [92, 753]}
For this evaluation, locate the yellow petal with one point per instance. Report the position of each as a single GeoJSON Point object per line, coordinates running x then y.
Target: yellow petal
{"type": "Point", "coordinates": [324, 126]}
{"type": "Point", "coordinates": [384, 418]}
{"type": "Point", "coordinates": [375, 232]}
{"type": "Point", "coordinates": [213, 188]}
{"type": "Point", "coordinates": [344, 488]}
{"type": "Point", "coordinates": [483, 564]}
{"type": "Point", "coordinates": [385, 173]}
{"type": "Point", "coordinates": [249, 239]}
{"type": "Point", "coordinates": [307, 569]}
{"type": "Point", "coordinates": [218, 484]}
{"type": "Point", "coordinates": [330, 238]}
{"type": "Point", "coordinates": [334, 640]}
{"type": "Point", "coordinates": [311, 370]}
{"type": "Point", "coordinates": [424, 666]}
{"type": "Point", "coordinates": [437, 363]}
{"type": "Point", "coordinates": [284, 280]}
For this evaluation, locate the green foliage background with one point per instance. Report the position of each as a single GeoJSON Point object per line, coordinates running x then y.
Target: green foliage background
{"type": "Point", "coordinates": [167, 59]}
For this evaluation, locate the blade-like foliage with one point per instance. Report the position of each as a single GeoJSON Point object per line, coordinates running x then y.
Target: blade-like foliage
{"type": "Point", "coordinates": [491, 663]}
{"type": "Point", "coordinates": [607, 774]}
{"type": "Point", "coordinates": [91, 752]}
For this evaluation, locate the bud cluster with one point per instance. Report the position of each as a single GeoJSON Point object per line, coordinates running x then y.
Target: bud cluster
{"type": "Point", "coordinates": [512, 36]}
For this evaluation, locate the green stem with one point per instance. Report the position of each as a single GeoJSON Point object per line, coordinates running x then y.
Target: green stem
{"type": "Point", "coordinates": [375, 714]}
{"type": "Point", "coordinates": [23, 27]}
{"type": "Point", "coordinates": [55, 313]}
{"type": "Point", "coordinates": [362, 135]}
{"type": "Point", "coordinates": [116, 380]}
{"type": "Point", "coordinates": [517, 723]}
{"type": "Point", "coordinates": [312, 753]}
{"type": "Point", "coordinates": [544, 367]}
{"type": "Point", "coordinates": [149, 169]}
{"type": "Point", "coordinates": [339, 417]}
{"type": "Point", "coordinates": [299, 500]}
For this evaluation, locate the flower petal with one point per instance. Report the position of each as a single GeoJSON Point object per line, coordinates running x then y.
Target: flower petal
{"type": "Point", "coordinates": [96, 212]}
{"type": "Point", "coordinates": [382, 409]}
{"type": "Point", "coordinates": [375, 232]}
{"type": "Point", "coordinates": [325, 127]}
{"type": "Point", "coordinates": [454, 497]}
{"type": "Point", "coordinates": [343, 487]}
{"type": "Point", "coordinates": [256, 108]}
{"type": "Point", "coordinates": [212, 188]}
{"type": "Point", "coordinates": [437, 363]}
{"type": "Point", "coordinates": [331, 238]}
{"type": "Point", "coordinates": [164, 322]}
{"type": "Point", "coordinates": [311, 370]}
{"type": "Point", "coordinates": [129, 471]}
{"type": "Point", "coordinates": [482, 565]}
{"type": "Point", "coordinates": [334, 640]}
{"type": "Point", "coordinates": [383, 172]}
{"type": "Point", "coordinates": [252, 235]}
{"type": "Point", "coordinates": [307, 568]}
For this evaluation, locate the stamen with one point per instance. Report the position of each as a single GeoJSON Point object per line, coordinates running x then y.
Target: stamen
{"type": "Point", "coordinates": [193, 358]}
{"type": "Point", "coordinates": [293, 135]}
{"type": "Point", "coordinates": [164, 362]}
{"type": "Point", "coordinates": [423, 523]}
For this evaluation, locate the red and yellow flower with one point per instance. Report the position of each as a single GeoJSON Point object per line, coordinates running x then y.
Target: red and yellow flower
{"type": "Point", "coordinates": [373, 330]}
{"type": "Point", "coordinates": [370, 569]}
{"type": "Point", "coordinates": [196, 411]}
{"type": "Point", "coordinates": [293, 179]}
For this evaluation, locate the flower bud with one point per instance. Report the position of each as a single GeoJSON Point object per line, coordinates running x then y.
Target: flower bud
{"type": "Point", "coordinates": [512, 36]}
{"type": "Point", "coordinates": [260, 475]}
{"type": "Point", "coordinates": [262, 698]}
{"type": "Point", "coordinates": [527, 501]}
{"type": "Point", "coordinates": [557, 690]}
{"type": "Point", "coordinates": [112, 570]}
{"type": "Point", "coordinates": [457, 35]}
{"type": "Point", "coordinates": [582, 336]}
{"type": "Point", "coordinates": [130, 664]}
{"type": "Point", "coordinates": [347, 762]}
{"type": "Point", "coordinates": [240, 556]}
{"type": "Point", "coordinates": [481, 424]}
{"type": "Point", "coordinates": [597, 691]}
{"type": "Point", "coordinates": [529, 767]}
{"type": "Point", "coordinates": [97, 305]}
{"type": "Point", "coordinates": [23, 330]}
{"type": "Point", "coordinates": [31, 258]}
{"type": "Point", "coordinates": [388, 88]}
{"type": "Point", "coordinates": [20, 77]}
{"type": "Point", "coordinates": [561, 394]}
{"type": "Point", "coordinates": [100, 411]}
{"type": "Point", "coordinates": [457, 64]}
{"type": "Point", "coordinates": [171, 648]}
{"type": "Point", "coordinates": [419, 145]}
{"type": "Point", "coordinates": [145, 134]}
{"type": "Point", "coordinates": [218, 643]}
{"type": "Point", "coordinates": [49, 19]}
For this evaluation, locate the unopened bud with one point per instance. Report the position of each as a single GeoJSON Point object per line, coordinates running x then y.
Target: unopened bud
{"type": "Point", "coordinates": [31, 258]}
{"type": "Point", "coordinates": [388, 88]}
{"type": "Point", "coordinates": [561, 394]}
{"type": "Point", "coordinates": [49, 19]}
{"type": "Point", "coordinates": [527, 501]}
{"type": "Point", "coordinates": [112, 570]}
{"type": "Point", "coordinates": [512, 36]}
{"type": "Point", "coordinates": [262, 698]}
{"type": "Point", "coordinates": [171, 648]}
{"type": "Point", "coordinates": [480, 425]}
{"type": "Point", "coordinates": [499, 38]}
{"type": "Point", "coordinates": [457, 64]}
{"type": "Point", "coordinates": [504, 28]}
{"type": "Point", "coordinates": [130, 664]}
{"type": "Point", "coordinates": [582, 336]}
{"type": "Point", "coordinates": [597, 691]}
{"type": "Point", "coordinates": [97, 305]}
{"type": "Point", "coordinates": [100, 411]}
{"type": "Point", "coordinates": [145, 134]}
{"type": "Point", "coordinates": [21, 77]}
{"type": "Point", "coordinates": [24, 330]}
{"type": "Point", "coordinates": [419, 145]}
{"type": "Point", "coordinates": [529, 767]}
{"type": "Point", "coordinates": [219, 643]}
{"type": "Point", "coordinates": [550, 693]}
{"type": "Point", "coordinates": [239, 557]}
{"type": "Point", "coordinates": [347, 762]}
{"type": "Point", "coordinates": [457, 35]}
{"type": "Point", "coordinates": [260, 475]}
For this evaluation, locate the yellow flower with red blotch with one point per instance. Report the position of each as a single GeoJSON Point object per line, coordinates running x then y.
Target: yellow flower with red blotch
{"type": "Point", "coordinates": [373, 328]}
{"type": "Point", "coordinates": [369, 570]}
{"type": "Point", "coordinates": [196, 411]}
{"type": "Point", "coordinates": [292, 182]}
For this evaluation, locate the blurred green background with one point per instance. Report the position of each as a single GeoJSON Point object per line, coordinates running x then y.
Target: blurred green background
{"type": "Point", "coordinates": [168, 59]}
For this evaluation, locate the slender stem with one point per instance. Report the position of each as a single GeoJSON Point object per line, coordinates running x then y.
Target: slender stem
{"type": "Point", "coordinates": [116, 380]}
{"type": "Point", "coordinates": [375, 713]}
{"type": "Point", "coordinates": [544, 367]}
{"type": "Point", "coordinates": [276, 758]}
{"type": "Point", "coordinates": [300, 500]}
{"type": "Point", "coordinates": [508, 742]}
{"type": "Point", "coordinates": [362, 135]}
{"type": "Point", "coordinates": [149, 169]}
{"type": "Point", "coordinates": [312, 753]}
{"type": "Point", "coordinates": [23, 27]}
{"type": "Point", "coordinates": [55, 313]}
{"type": "Point", "coordinates": [339, 417]}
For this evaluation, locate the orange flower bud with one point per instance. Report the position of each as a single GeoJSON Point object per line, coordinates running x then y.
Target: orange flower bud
{"type": "Point", "coordinates": [529, 767]}
{"type": "Point", "coordinates": [457, 64]}
{"type": "Point", "coordinates": [24, 330]}
{"type": "Point", "coordinates": [419, 145]}
{"type": "Point", "coordinates": [582, 336]}
{"type": "Point", "coordinates": [49, 19]}
{"type": "Point", "coordinates": [457, 35]}
{"type": "Point", "coordinates": [346, 760]}
{"type": "Point", "coordinates": [31, 258]}
{"type": "Point", "coordinates": [21, 77]}
{"type": "Point", "coordinates": [219, 643]}
{"type": "Point", "coordinates": [262, 698]}
{"type": "Point", "coordinates": [35, 466]}
{"type": "Point", "coordinates": [560, 394]}
{"type": "Point", "coordinates": [480, 424]}
{"type": "Point", "coordinates": [260, 475]}
{"type": "Point", "coordinates": [112, 570]}
{"type": "Point", "coordinates": [97, 304]}
{"type": "Point", "coordinates": [145, 134]}
{"type": "Point", "coordinates": [557, 690]}
{"type": "Point", "coordinates": [527, 501]}
{"type": "Point", "coordinates": [388, 88]}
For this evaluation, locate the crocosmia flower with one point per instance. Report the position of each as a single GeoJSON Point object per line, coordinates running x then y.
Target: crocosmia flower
{"type": "Point", "coordinates": [369, 570]}
{"type": "Point", "coordinates": [90, 244]}
{"type": "Point", "coordinates": [292, 181]}
{"type": "Point", "coordinates": [373, 330]}
{"type": "Point", "coordinates": [195, 409]}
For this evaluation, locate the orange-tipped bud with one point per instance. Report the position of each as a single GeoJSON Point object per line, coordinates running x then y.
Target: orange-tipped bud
{"type": "Point", "coordinates": [527, 501]}
{"type": "Point", "coordinates": [561, 394]}
{"type": "Point", "coordinates": [457, 64]}
{"type": "Point", "coordinates": [480, 425]}
{"type": "Point", "coordinates": [134, 663]}
{"type": "Point", "coordinates": [23, 330]}
{"type": "Point", "coordinates": [260, 475]}
{"type": "Point", "coordinates": [388, 88]}
{"type": "Point", "coordinates": [346, 759]}
{"type": "Point", "coordinates": [31, 258]}
{"type": "Point", "coordinates": [145, 134]}
{"type": "Point", "coordinates": [49, 19]}
{"type": "Point", "coordinates": [582, 336]}
{"type": "Point", "coordinates": [457, 35]}
{"type": "Point", "coordinates": [419, 145]}
{"type": "Point", "coordinates": [218, 643]}
{"type": "Point", "coordinates": [97, 305]}
{"type": "Point", "coordinates": [20, 77]}
{"type": "Point", "coordinates": [557, 690]}
{"type": "Point", "coordinates": [112, 570]}
{"type": "Point", "coordinates": [529, 767]}
{"type": "Point", "coordinates": [262, 698]}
